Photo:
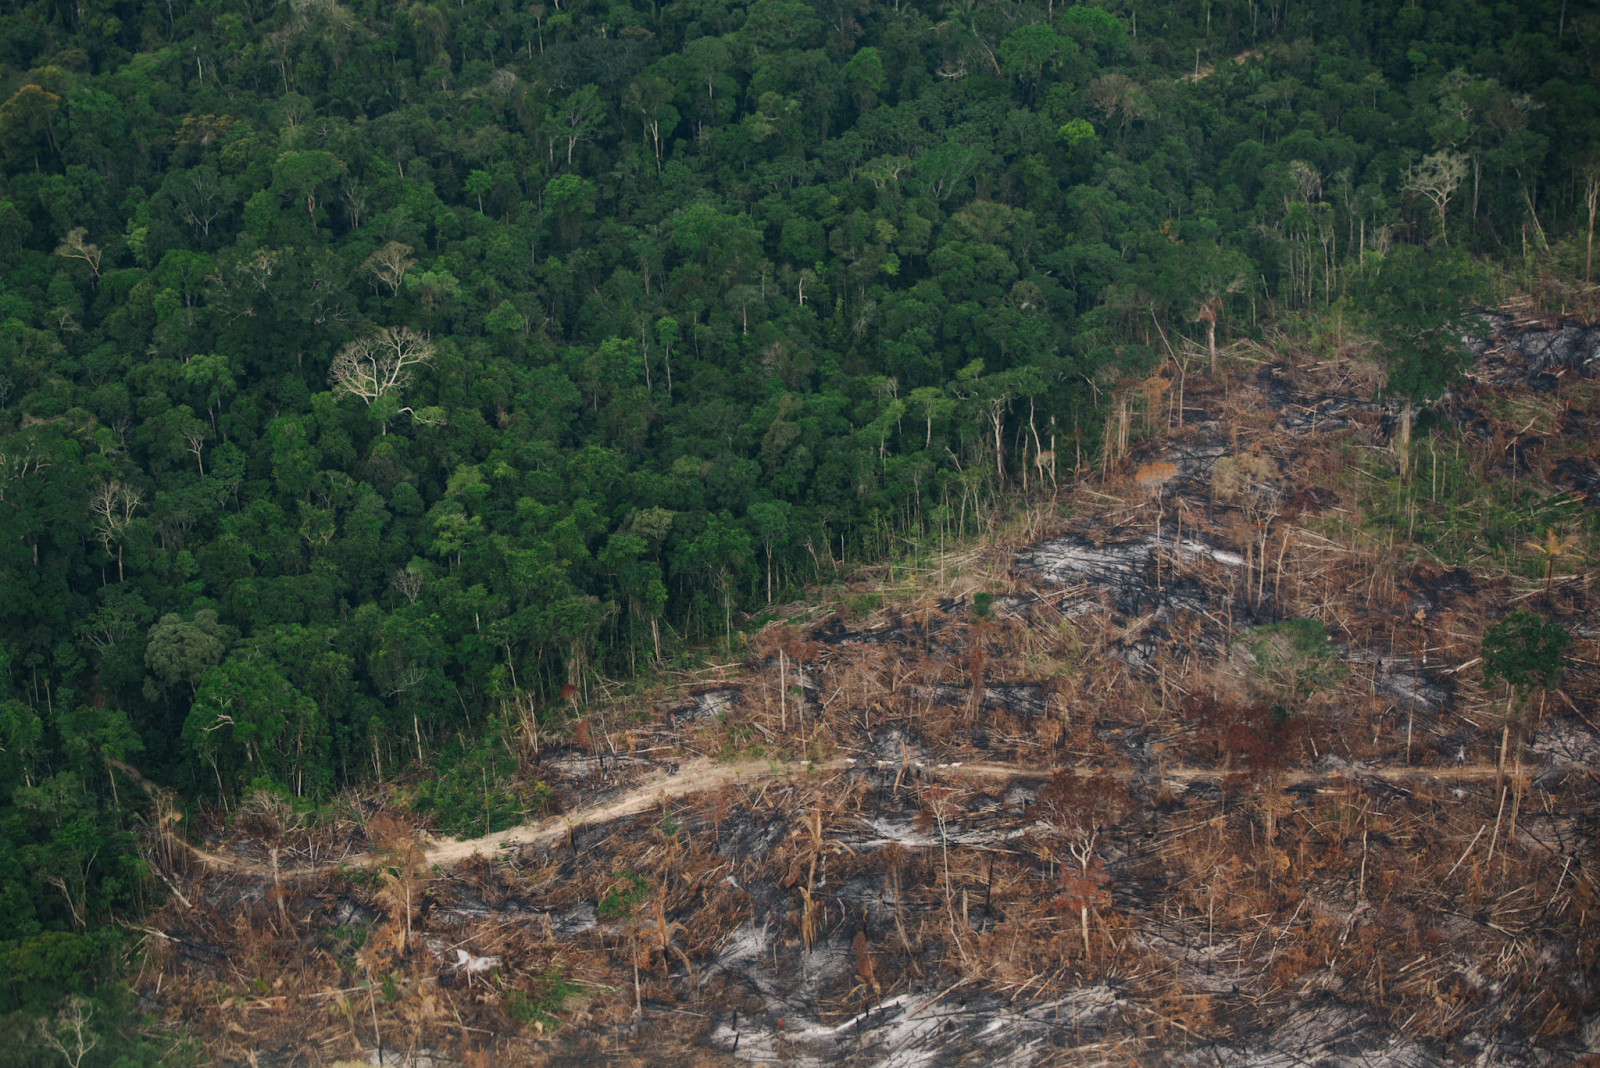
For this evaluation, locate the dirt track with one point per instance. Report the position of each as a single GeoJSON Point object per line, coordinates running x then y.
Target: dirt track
{"type": "Point", "coordinates": [702, 774]}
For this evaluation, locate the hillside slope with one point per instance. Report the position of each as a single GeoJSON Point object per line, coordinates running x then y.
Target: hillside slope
{"type": "Point", "coordinates": [1197, 765]}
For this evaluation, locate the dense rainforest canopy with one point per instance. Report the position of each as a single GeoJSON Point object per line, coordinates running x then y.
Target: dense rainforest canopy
{"type": "Point", "coordinates": [368, 369]}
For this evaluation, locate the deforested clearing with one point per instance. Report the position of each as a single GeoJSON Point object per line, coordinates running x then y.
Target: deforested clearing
{"type": "Point", "coordinates": [1138, 777]}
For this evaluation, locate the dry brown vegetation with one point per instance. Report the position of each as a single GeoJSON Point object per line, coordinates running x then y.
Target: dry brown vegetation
{"type": "Point", "coordinates": [1064, 795]}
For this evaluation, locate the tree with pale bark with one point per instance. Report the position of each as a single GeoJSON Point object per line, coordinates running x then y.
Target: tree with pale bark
{"type": "Point", "coordinates": [389, 265]}
{"type": "Point", "coordinates": [381, 364]}
{"type": "Point", "coordinates": [112, 504]}
{"type": "Point", "coordinates": [1436, 178]}
{"type": "Point", "coordinates": [75, 246]}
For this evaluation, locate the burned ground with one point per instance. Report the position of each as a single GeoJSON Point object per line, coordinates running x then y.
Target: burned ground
{"type": "Point", "coordinates": [1075, 796]}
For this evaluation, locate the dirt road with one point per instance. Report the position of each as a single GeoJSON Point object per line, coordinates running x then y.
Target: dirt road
{"type": "Point", "coordinates": [701, 775]}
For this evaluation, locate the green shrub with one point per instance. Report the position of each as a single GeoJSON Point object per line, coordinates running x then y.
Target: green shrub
{"type": "Point", "coordinates": [540, 1005]}
{"type": "Point", "coordinates": [1293, 660]}
{"type": "Point", "coordinates": [626, 894]}
{"type": "Point", "coordinates": [1524, 650]}
{"type": "Point", "coordinates": [1455, 515]}
{"type": "Point", "coordinates": [476, 790]}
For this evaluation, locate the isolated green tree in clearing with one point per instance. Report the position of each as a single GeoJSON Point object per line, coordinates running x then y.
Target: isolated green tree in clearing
{"type": "Point", "coordinates": [1524, 652]}
{"type": "Point", "coordinates": [1417, 300]}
